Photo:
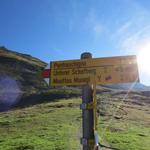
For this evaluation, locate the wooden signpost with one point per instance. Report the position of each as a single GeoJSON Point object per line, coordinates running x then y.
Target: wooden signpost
{"type": "Point", "coordinates": [88, 72]}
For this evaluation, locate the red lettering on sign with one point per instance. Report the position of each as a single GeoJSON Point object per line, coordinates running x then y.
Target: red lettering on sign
{"type": "Point", "coordinates": [108, 78]}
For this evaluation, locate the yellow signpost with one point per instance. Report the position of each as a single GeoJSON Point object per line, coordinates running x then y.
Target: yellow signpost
{"type": "Point", "coordinates": [121, 69]}
{"type": "Point", "coordinates": [89, 72]}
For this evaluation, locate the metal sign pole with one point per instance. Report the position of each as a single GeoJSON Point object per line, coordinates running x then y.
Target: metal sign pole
{"type": "Point", "coordinates": [87, 113]}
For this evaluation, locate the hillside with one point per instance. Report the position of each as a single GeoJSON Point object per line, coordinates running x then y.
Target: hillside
{"type": "Point", "coordinates": [123, 124]}
{"type": "Point", "coordinates": [128, 86]}
{"type": "Point", "coordinates": [21, 82]}
{"type": "Point", "coordinates": [23, 68]}
{"type": "Point", "coordinates": [20, 76]}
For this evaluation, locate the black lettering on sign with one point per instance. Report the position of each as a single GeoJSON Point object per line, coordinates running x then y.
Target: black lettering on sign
{"type": "Point", "coordinates": [121, 78]}
{"type": "Point", "coordinates": [108, 78]}
{"type": "Point", "coordinates": [82, 80]}
{"type": "Point", "coordinates": [74, 71]}
{"type": "Point", "coordinates": [83, 71]}
{"type": "Point", "coordinates": [61, 72]}
{"type": "Point", "coordinates": [119, 69]}
{"type": "Point", "coordinates": [105, 70]}
{"type": "Point", "coordinates": [61, 81]}
{"type": "Point", "coordinates": [72, 64]}
{"type": "Point", "coordinates": [99, 78]}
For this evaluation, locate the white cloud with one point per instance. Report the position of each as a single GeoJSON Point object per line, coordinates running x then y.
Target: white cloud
{"type": "Point", "coordinates": [123, 28]}
{"type": "Point", "coordinates": [97, 28]}
{"type": "Point", "coordinates": [85, 19]}
{"type": "Point", "coordinates": [93, 23]}
{"type": "Point", "coordinates": [132, 41]}
{"type": "Point", "coordinates": [59, 51]}
{"type": "Point", "coordinates": [133, 36]}
{"type": "Point", "coordinates": [134, 32]}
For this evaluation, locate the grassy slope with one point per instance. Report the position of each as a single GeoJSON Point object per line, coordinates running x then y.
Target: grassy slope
{"type": "Point", "coordinates": [124, 124]}
{"type": "Point", "coordinates": [23, 69]}
{"type": "Point", "coordinates": [51, 126]}
{"type": "Point", "coordinates": [57, 125]}
{"type": "Point", "coordinates": [21, 57]}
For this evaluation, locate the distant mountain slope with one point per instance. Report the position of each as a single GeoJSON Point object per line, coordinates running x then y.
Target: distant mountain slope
{"type": "Point", "coordinates": [19, 73]}
{"type": "Point", "coordinates": [25, 69]}
{"type": "Point", "coordinates": [128, 86]}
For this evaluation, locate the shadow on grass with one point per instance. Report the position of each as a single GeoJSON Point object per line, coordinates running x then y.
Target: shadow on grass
{"type": "Point", "coordinates": [45, 97]}
{"type": "Point", "coordinates": [24, 148]}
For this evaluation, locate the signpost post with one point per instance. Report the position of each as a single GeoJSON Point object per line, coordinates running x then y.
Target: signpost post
{"type": "Point", "coordinates": [87, 72]}
{"type": "Point", "coordinates": [87, 113]}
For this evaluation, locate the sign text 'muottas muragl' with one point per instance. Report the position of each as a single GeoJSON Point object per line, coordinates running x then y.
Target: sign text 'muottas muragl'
{"type": "Point", "coordinates": [122, 69]}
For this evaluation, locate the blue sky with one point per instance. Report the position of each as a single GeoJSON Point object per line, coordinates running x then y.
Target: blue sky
{"type": "Point", "coordinates": [63, 29]}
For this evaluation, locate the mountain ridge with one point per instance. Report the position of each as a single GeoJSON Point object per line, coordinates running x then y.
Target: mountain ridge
{"type": "Point", "coordinates": [20, 76]}
{"type": "Point", "coordinates": [128, 86]}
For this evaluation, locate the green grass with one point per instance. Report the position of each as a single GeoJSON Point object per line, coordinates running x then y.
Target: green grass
{"type": "Point", "coordinates": [52, 126]}
{"type": "Point", "coordinates": [129, 131]}
{"type": "Point", "coordinates": [21, 57]}
{"type": "Point", "coordinates": [57, 126]}
{"type": "Point", "coordinates": [125, 136]}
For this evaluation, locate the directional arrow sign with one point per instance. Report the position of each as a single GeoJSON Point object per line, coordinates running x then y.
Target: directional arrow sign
{"type": "Point", "coordinates": [121, 69]}
{"type": "Point", "coordinates": [46, 74]}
